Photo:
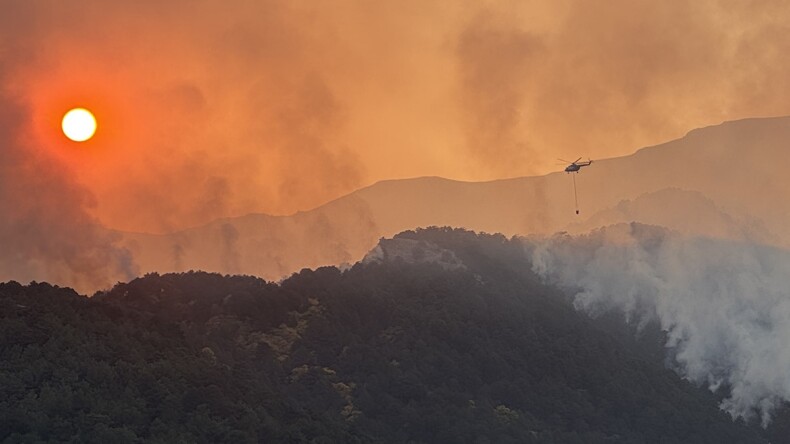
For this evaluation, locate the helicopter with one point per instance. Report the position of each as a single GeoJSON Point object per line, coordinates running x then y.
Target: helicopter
{"type": "Point", "coordinates": [576, 165]}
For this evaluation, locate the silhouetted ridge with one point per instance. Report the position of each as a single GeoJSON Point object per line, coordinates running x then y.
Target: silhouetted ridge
{"type": "Point", "coordinates": [391, 350]}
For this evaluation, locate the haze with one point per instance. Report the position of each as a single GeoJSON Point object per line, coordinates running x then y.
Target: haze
{"type": "Point", "coordinates": [210, 109]}
{"type": "Point", "coordinates": [260, 137]}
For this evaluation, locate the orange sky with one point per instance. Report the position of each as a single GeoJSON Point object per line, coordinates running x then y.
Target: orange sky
{"type": "Point", "coordinates": [209, 109]}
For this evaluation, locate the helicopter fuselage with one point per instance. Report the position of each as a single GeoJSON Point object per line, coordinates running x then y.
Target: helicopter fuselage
{"type": "Point", "coordinates": [574, 167]}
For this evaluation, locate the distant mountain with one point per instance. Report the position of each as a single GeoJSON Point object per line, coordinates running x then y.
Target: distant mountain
{"type": "Point", "coordinates": [688, 212]}
{"type": "Point", "coordinates": [440, 335]}
{"type": "Point", "coordinates": [738, 167]}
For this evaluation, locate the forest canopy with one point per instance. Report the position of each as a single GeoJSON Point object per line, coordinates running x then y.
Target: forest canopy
{"type": "Point", "coordinates": [445, 336]}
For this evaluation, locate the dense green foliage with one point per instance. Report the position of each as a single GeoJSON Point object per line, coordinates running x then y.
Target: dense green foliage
{"type": "Point", "coordinates": [398, 351]}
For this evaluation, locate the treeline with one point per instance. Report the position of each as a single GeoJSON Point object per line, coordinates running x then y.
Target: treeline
{"type": "Point", "coordinates": [400, 351]}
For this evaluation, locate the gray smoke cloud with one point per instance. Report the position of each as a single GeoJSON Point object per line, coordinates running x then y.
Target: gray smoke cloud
{"type": "Point", "coordinates": [46, 232]}
{"type": "Point", "coordinates": [230, 254]}
{"type": "Point", "coordinates": [725, 305]}
{"type": "Point", "coordinates": [46, 229]}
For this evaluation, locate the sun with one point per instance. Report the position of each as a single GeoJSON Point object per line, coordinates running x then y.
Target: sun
{"type": "Point", "coordinates": [79, 124]}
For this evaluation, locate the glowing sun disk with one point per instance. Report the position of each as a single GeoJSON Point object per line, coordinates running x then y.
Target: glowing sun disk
{"type": "Point", "coordinates": [79, 124]}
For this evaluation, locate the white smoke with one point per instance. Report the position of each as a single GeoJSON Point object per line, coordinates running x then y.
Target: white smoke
{"type": "Point", "coordinates": [724, 305]}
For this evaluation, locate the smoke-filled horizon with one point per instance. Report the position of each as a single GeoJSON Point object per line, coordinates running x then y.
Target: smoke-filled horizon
{"type": "Point", "coordinates": [725, 305]}
{"type": "Point", "coordinates": [208, 109]}
{"type": "Point", "coordinates": [46, 232]}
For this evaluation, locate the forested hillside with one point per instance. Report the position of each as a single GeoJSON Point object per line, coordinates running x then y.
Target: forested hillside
{"type": "Point", "coordinates": [442, 336]}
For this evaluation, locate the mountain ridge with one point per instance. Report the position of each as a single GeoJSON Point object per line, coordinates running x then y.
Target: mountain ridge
{"type": "Point", "coordinates": [731, 164]}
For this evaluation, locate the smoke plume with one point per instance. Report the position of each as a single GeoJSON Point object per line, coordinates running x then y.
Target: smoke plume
{"type": "Point", "coordinates": [725, 305]}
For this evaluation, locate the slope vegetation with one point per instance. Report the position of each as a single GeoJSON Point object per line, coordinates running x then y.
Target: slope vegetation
{"type": "Point", "coordinates": [440, 336]}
